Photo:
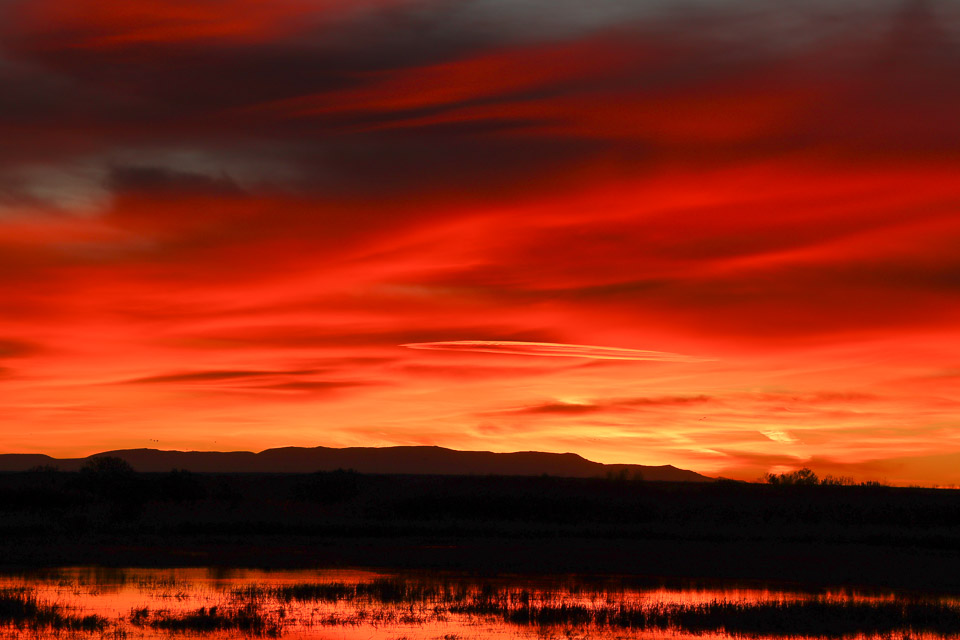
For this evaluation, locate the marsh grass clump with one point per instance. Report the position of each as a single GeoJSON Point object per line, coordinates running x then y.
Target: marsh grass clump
{"type": "Point", "coordinates": [21, 609]}
{"type": "Point", "coordinates": [603, 609]}
{"type": "Point", "coordinates": [823, 618]}
{"type": "Point", "coordinates": [381, 590]}
{"type": "Point", "coordinates": [813, 618]}
{"type": "Point", "coordinates": [393, 591]}
{"type": "Point", "coordinates": [551, 615]}
{"type": "Point", "coordinates": [139, 616]}
{"type": "Point", "coordinates": [261, 610]}
{"type": "Point", "coordinates": [247, 619]}
{"type": "Point", "coordinates": [321, 592]}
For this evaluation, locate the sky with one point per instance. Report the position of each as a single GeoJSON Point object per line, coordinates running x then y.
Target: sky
{"type": "Point", "coordinates": [717, 234]}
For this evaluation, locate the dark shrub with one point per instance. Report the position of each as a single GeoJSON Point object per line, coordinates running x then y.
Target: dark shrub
{"type": "Point", "coordinates": [328, 487]}
{"type": "Point", "coordinates": [181, 486]}
{"type": "Point", "coordinates": [114, 480]}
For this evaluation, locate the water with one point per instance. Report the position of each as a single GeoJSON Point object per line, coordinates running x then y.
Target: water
{"type": "Point", "coordinates": [365, 605]}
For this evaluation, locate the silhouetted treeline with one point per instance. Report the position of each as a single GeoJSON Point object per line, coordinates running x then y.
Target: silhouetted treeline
{"type": "Point", "coordinates": [109, 491]}
{"type": "Point", "coordinates": [540, 523]}
{"type": "Point", "coordinates": [807, 477]}
{"type": "Point", "coordinates": [102, 481]}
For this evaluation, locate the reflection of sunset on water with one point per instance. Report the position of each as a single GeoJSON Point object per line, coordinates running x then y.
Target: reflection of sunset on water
{"type": "Point", "coordinates": [309, 611]}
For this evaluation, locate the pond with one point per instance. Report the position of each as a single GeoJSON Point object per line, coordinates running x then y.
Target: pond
{"type": "Point", "coordinates": [354, 605]}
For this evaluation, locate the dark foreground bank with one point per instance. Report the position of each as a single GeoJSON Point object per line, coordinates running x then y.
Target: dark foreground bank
{"type": "Point", "coordinates": [818, 535]}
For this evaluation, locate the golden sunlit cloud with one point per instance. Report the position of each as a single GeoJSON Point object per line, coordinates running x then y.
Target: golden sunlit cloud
{"type": "Point", "coordinates": [779, 436]}
{"type": "Point", "coordinates": [551, 349]}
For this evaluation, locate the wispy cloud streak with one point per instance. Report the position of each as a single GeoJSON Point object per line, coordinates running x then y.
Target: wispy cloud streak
{"type": "Point", "coordinates": [551, 349]}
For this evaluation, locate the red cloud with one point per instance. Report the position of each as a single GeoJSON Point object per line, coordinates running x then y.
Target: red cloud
{"type": "Point", "coordinates": [214, 199]}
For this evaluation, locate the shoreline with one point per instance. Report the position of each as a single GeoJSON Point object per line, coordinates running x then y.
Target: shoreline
{"type": "Point", "coordinates": [809, 565]}
{"type": "Point", "coordinates": [876, 537]}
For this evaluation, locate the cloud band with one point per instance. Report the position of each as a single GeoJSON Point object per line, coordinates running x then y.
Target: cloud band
{"type": "Point", "coordinates": [551, 349]}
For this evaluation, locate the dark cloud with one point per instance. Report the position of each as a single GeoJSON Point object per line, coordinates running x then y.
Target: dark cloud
{"type": "Point", "coordinates": [820, 397]}
{"type": "Point", "coordinates": [740, 273]}
{"type": "Point", "coordinates": [220, 92]}
{"type": "Point", "coordinates": [476, 372]}
{"type": "Point", "coordinates": [300, 382]}
{"type": "Point", "coordinates": [215, 376]}
{"type": "Point", "coordinates": [560, 408]}
{"type": "Point", "coordinates": [316, 386]}
{"type": "Point", "coordinates": [605, 405]}
{"type": "Point", "coordinates": [304, 337]}
{"type": "Point", "coordinates": [29, 93]}
{"type": "Point", "coordinates": [10, 348]}
{"type": "Point", "coordinates": [158, 181]}
{"type": "Point", "coordinates": [944, 374]}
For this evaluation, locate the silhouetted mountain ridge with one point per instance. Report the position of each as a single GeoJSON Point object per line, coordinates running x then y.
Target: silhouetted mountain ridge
{"type": "Point", "coordinates": [423, 460]}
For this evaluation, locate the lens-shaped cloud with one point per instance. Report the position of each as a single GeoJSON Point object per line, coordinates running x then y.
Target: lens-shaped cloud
{"type": "Point", "coordinates": [551, 349]}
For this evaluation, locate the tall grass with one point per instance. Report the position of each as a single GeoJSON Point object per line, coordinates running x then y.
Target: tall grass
{"type": "Point", "coordinates": [381, 590]}
{"type": "Point", "coordinates": [810, 618]}
{"type": "Point", "coordinates": [22, 610]}
{"type": "Point", "coordinates": [260, 610]}
{"type": "Point", "coordinates": [813, 616]}
{"type": "Point", "coordinates": [248, 619]}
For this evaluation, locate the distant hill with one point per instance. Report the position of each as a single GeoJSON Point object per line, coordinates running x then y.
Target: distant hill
{"type": "Point", "coordinates": [387, 460]}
